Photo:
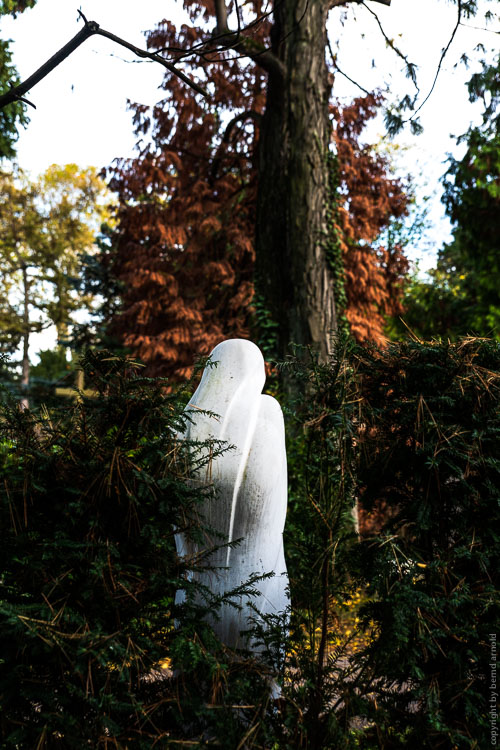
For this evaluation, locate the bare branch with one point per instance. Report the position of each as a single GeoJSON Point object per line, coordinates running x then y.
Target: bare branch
{"type": "Point", "coordinates": [410, 67]}
{"type": "Point", "coordinates": [82, 16]}
{"type": "Point", "coordinates": [334, 61]}
{"type": "Point", "coordinates": [90, 29]}
{"type": "Point", "coordinates": [244, 45]}
{"type": "Point", "coordinates": [222, 40]}
{"type": "Point", "coordinates": [247, 115]}
{"type": "Point", "coordinates": [443, 55]}
{"type": "Point", "coordinates": [212, 42]}
{"type": "Point", "coordinates": [155, 58]}
{"type": "Point", "coordinates": [16, 92]}
{"type": "Point", "coordinates": [221, 17]}
{"type": "Point", "coordinates": [479, 28]}
{"type": "Point", "coordinates": [338, 3]}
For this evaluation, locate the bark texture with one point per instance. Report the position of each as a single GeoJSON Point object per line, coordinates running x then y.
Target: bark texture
{"type": "Point", "coordinates": [292, 269]}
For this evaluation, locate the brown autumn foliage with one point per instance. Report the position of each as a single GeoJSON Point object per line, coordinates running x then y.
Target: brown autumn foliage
{"type": "Point", "coordinates": [184, 245]}
{"type": "Point", "coordinates": [369, 198]}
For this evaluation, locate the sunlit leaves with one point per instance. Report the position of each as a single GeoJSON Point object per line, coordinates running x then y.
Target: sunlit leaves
{"type": "Point", "coordinates": [45, 225]}
{"type": "Point", "coordinates": [13, 7]}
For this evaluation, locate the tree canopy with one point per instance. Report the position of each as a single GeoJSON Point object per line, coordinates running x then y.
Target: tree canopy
{"type": "Point", "coordinates": [462, 295]}
{"type": "Point", "coordinates": [190, 208]}
{"type": "Point", "coordinates": [45, 226]}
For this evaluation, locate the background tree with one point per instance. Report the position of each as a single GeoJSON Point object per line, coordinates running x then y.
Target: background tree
{"type": "Point", "coordinates": [74, 203]}
{"type": "Point", "coordinates": [21, 264]}
{"type": "Point", "coordinates": [472, 199]}
{"type": "Point", "coordinates": [184, 247]}
{"type": "Point", "coordinates": [278, 104]}
{"type": "Point", "coordinates": [294, 273]}
{"type": "Point", "coordinates": [52, 365]}
{"type": "Point", "coordinates": [44, 227]}
{"type": "Point", "coordinates": [269, 84]}
{"type": "Point", "coordinates": [14, 115]}
{"type": "Point", "coordinates": [461, 295]}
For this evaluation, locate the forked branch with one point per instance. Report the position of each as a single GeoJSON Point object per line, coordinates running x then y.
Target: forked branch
{"type": "Point", "coordinates": [245, 45]}
{"type": "Point", "coordinates": [16, 93]}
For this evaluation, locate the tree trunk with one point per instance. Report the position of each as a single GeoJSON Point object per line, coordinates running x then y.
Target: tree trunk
{"type": "Point", "coordinates": [293, 273]}
{"type": "Point", "coordinates": [25, 376]}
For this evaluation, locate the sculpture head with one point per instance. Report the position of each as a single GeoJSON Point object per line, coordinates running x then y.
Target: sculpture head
{"type": "Point", "coordinates": [239, 364]}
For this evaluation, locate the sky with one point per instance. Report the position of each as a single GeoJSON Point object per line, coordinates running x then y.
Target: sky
{"type": "Point", "coordinates": [81, 107]}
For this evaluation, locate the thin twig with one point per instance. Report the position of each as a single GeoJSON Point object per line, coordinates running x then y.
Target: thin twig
{"type": "Point", "coordinates": [479, 28]}
{"type": "Point", "coordinates": [411, 67]}
{"type": "Point", "coordinates": [334, 61]}
{"type": "Point", "coordinates": [443, 55]}
{"type": "Point", "coordinates": [156, 58]}
{"type": "Point", "coordinates": [236, 40]}
{"type": "Point", "coordinates": [339, 3]}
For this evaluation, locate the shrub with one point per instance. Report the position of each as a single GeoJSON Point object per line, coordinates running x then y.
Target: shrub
{"type": "Point", "coordinates": [88, 570]}
{"type": "Point", "coordinates": [429, 452]}
{"type": "Point", "coordinates": [91, 495]}
{"type": "Point", "coordinates": [319, 532]}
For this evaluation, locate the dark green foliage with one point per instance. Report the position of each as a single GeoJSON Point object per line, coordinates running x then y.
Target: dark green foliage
{"type": "Point", "coordinates": [88, 567]}
{"type": "Point", "coordinates": [96, 280]}
{"type": "Point", "coordinates": [51, 372]}
{"type": "Point", "coordinates": [435, 306]}
{"type": "Point", "coordinates": [53, 364]}
{"type": "Point", "coordinates": [461, 296]}
{"type": "Point", "coordinates": [319, 533]}
{"type": "Point", "coordinates": [472, 197]}
{"type": "Point", "coordinates": [429, 453]}
{"type": "Point", "coordinates": [319, 452]}
{"type": "Point", "coordinates": [89, 570]}
{"type": "Point", "coordinates": [14, 114]}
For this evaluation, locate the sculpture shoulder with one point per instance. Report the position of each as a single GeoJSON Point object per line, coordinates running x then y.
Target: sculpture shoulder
{"type": "Point", "coordinates": [270, 409]}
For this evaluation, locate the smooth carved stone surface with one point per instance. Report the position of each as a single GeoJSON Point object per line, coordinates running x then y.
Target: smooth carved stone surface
{"type": "Point", "coordinates": [250, 482]}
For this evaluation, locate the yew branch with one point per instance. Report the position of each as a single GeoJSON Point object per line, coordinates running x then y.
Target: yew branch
{"type": "Point", "coordinates": [90, 28]}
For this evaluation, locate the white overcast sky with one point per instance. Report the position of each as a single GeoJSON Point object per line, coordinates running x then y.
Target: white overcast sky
{"type": "Point", "coordinates": [81, 113]}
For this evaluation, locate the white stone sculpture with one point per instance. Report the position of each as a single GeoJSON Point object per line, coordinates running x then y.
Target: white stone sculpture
{"type": "Point", "coordinates": [250, 482]}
